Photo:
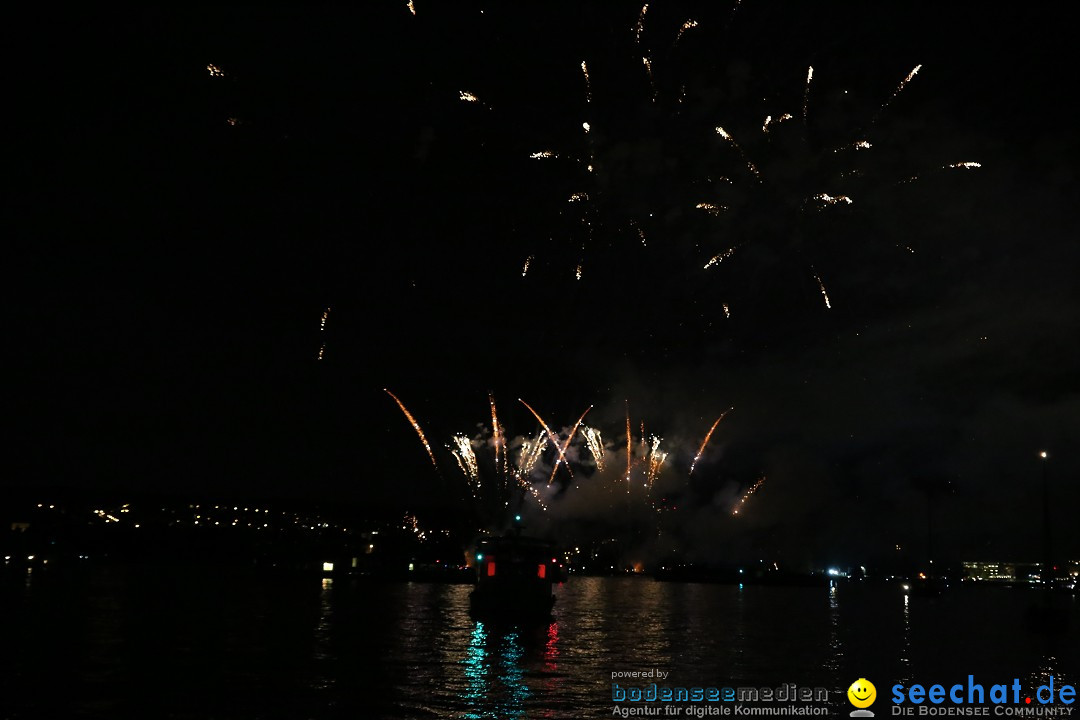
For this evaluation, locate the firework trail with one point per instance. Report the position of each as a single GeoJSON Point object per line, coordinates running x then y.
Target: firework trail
{"type": "Point", "coordinates": [497, 438]}
{"type": "Point", "coordinates": [685, 26]}
{"type": "Point", "coordinates": [595, 444]}
{"type": "Point", "coordinates": [412, 7]}
{"type": "Point", "coordinates": [325, 317]}
{"type": "Point", "coordinates": [416, 427]}
{"type": "Point", "coordinates": [322, 352]}
{"type": "Point", "coordinates": [899, 89]}
{"type": "Point", "coordinates": [806, 92]}
{"type": "Point", "coordinates": [727, 136]}
{"type": "Point", "coordinates": [707, 435]}
{"type": "Point", "coordinates": [746, 495]}
{"type": "Point", "coordinates": [770, 121]}
{"type": "Point", "coordinates": [629, 448]}
{"type": "Point", "coordinates": [717, 259]}
{"type": "Point", "coordinates": [714, 210]}
{"type": "Point", "coordinates": [566, 445]}
{"type": "Point", "coordinates": [528, 261]}
{"type": "Point", "coordinates": [551, 436]}
{"type": "Point", "coordinates": [639, 28]}
{"type": "Point", "coordinates": [824, 293]}
{"type": "Point", "coordinates": [588, 85]}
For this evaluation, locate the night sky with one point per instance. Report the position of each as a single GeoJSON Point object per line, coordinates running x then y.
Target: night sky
{"type": "Point", "coordinates": [178, 235]}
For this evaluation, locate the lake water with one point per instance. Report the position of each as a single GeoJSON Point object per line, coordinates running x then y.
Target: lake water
{"type": "Point", "coordinates": [127, 642]}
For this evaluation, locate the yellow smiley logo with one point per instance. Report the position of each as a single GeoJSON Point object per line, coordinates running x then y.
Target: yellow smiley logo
{"type": "Point", "coordinates": [862, 693]}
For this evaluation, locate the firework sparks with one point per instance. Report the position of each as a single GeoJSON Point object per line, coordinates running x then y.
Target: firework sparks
{"type": "Point", "coordinates": [525, 269]}
{"type": "Point", "coordinates": [727, 312]}
{"type": "Point", "coordinates": [578, 197]}
{"type": "Point", "coordinates": [770, 121]}
{"type": "Point", "coordinates": [497, 437]}
{"type": "Point", "coordinates": [826, 199]}
{"type": "Point", "coordinates": [655, 461]}
{"type": "Point", "coordinates": [551, 436]}
{"type": "Point", "coordinates": [322, 321]}
{"type": "Point", "coordinates": [639, 28]}
{"type": "Point", "coordinates": [899, 89]}
{"type": "Point", "coordinates": [648, 70]}
{"type": "Point", "coordinates": [727, 136]}
{"type": "Point", "coordinates": [543, 155]}
{"type": "Point", "coordinates": [717, 259]}
{"type": "Point", "coordinates": [588, 86]}
{"type": "Point", "coordinates": [714, 210]}
{"type": "Point", "coordinates": [967, 165]}
{"type": "Point", "coordinates": [595, 444]}
{"type": "Point", "coordinates": [566, 446]}
{"type": "Point", "coordinates": [685, 26]}
{"type": "Point", "coordinates": [824, 293]}
{"type": "Point", "coordinates": [416, 427]}
{"type": "Point", "coordinates": [466, 458]}
{"type": "Point", "coordinates": [531, 450]}
{"type": "Point", "coordinates": [708, 435]}
{"type": "Point", "coordinates": [746, 495]}
{"type": "Point", "coordinates": [577, 272]}
{"type": "Point", "coordinates": [806, 92]}
{"type": "Point", "coordinates": [629, 447]}
{"type": "Point", "coordinates": [322, 352]}
{"type": "Point", "coordinates": [412, 7]}
{"type": "Point", "coordinates": [214, 70]}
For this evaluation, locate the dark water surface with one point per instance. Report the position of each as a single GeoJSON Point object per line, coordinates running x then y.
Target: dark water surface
{"type": "Point", "coordinates": [126, 642]}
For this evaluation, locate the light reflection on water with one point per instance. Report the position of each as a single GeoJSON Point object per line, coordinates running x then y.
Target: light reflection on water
{"type": "Point", "coordinates": [243, 646]}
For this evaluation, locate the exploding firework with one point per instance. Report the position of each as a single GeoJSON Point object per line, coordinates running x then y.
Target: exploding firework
{"type": "Point", "coordinates": [595, 444]}
{"type": "Point", "coordinates": [566, 446]}
{"type": "Point", "coordinates": [466, 458]}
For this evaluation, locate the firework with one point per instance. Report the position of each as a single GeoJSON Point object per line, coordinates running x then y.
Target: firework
{"type": "Point", "coordinates": [566, 445]}
{"type": "Point", "coordinates": [412, 7]}
{"type": "Point", "coordinates": [746, 495]}
{"type": "Point", "coordinates": [322, 321]}
{"type": "Point", "coordinates": [416, 427]}
{"type": "Point", "coordinates": [727, 136]}
{"type": "Point", "coordinates": [496, 436]}
{"type": "Point", "coordinates": [770, 121]}
{"type": "Point", "coordinates": [466, 96]}
{"type": "Point", "coordinates": [655, 461]}
{"type": "Point", "coordinates": [595, 444]}
{"type": "Point", "coordinates": [639, 28]}
{"type": "Point", "coordinates": [466, 458]}
{"type": "Point", "coordinates": [708, 434]}
{"type": "Point", "coordinates": [717, 259]}
{"type": "Point", "coordinates": [525, 269]}
{"type": "Point", "coordinates": [214, 70]}
{"type": "Point", "coordinates": [543, 155]}
{"type": "Point", "coordinates": [588, 87]}
{"type": "Point", "coordinates": [714, 210]}
{"type": "Point", "coordinates": [551, 436]}
{"type": "Point", "coordinates": [824, 293]}
{"type": "Point", "coordinates": [322, 352]}
{"type": "Point", "coordinates": [629, 448]}
{"type": "Point", "coordinates": [531, 450]}
{"type": "Point", "coordinates": [806, 93]}
{"type": "Point", "coordinates": [685, 26]}
{"type": "Point", "coordinates": [899, 89]}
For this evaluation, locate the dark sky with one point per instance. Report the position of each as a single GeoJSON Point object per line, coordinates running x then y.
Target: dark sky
{"type": "Point", "coordinates": [168, 270]}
